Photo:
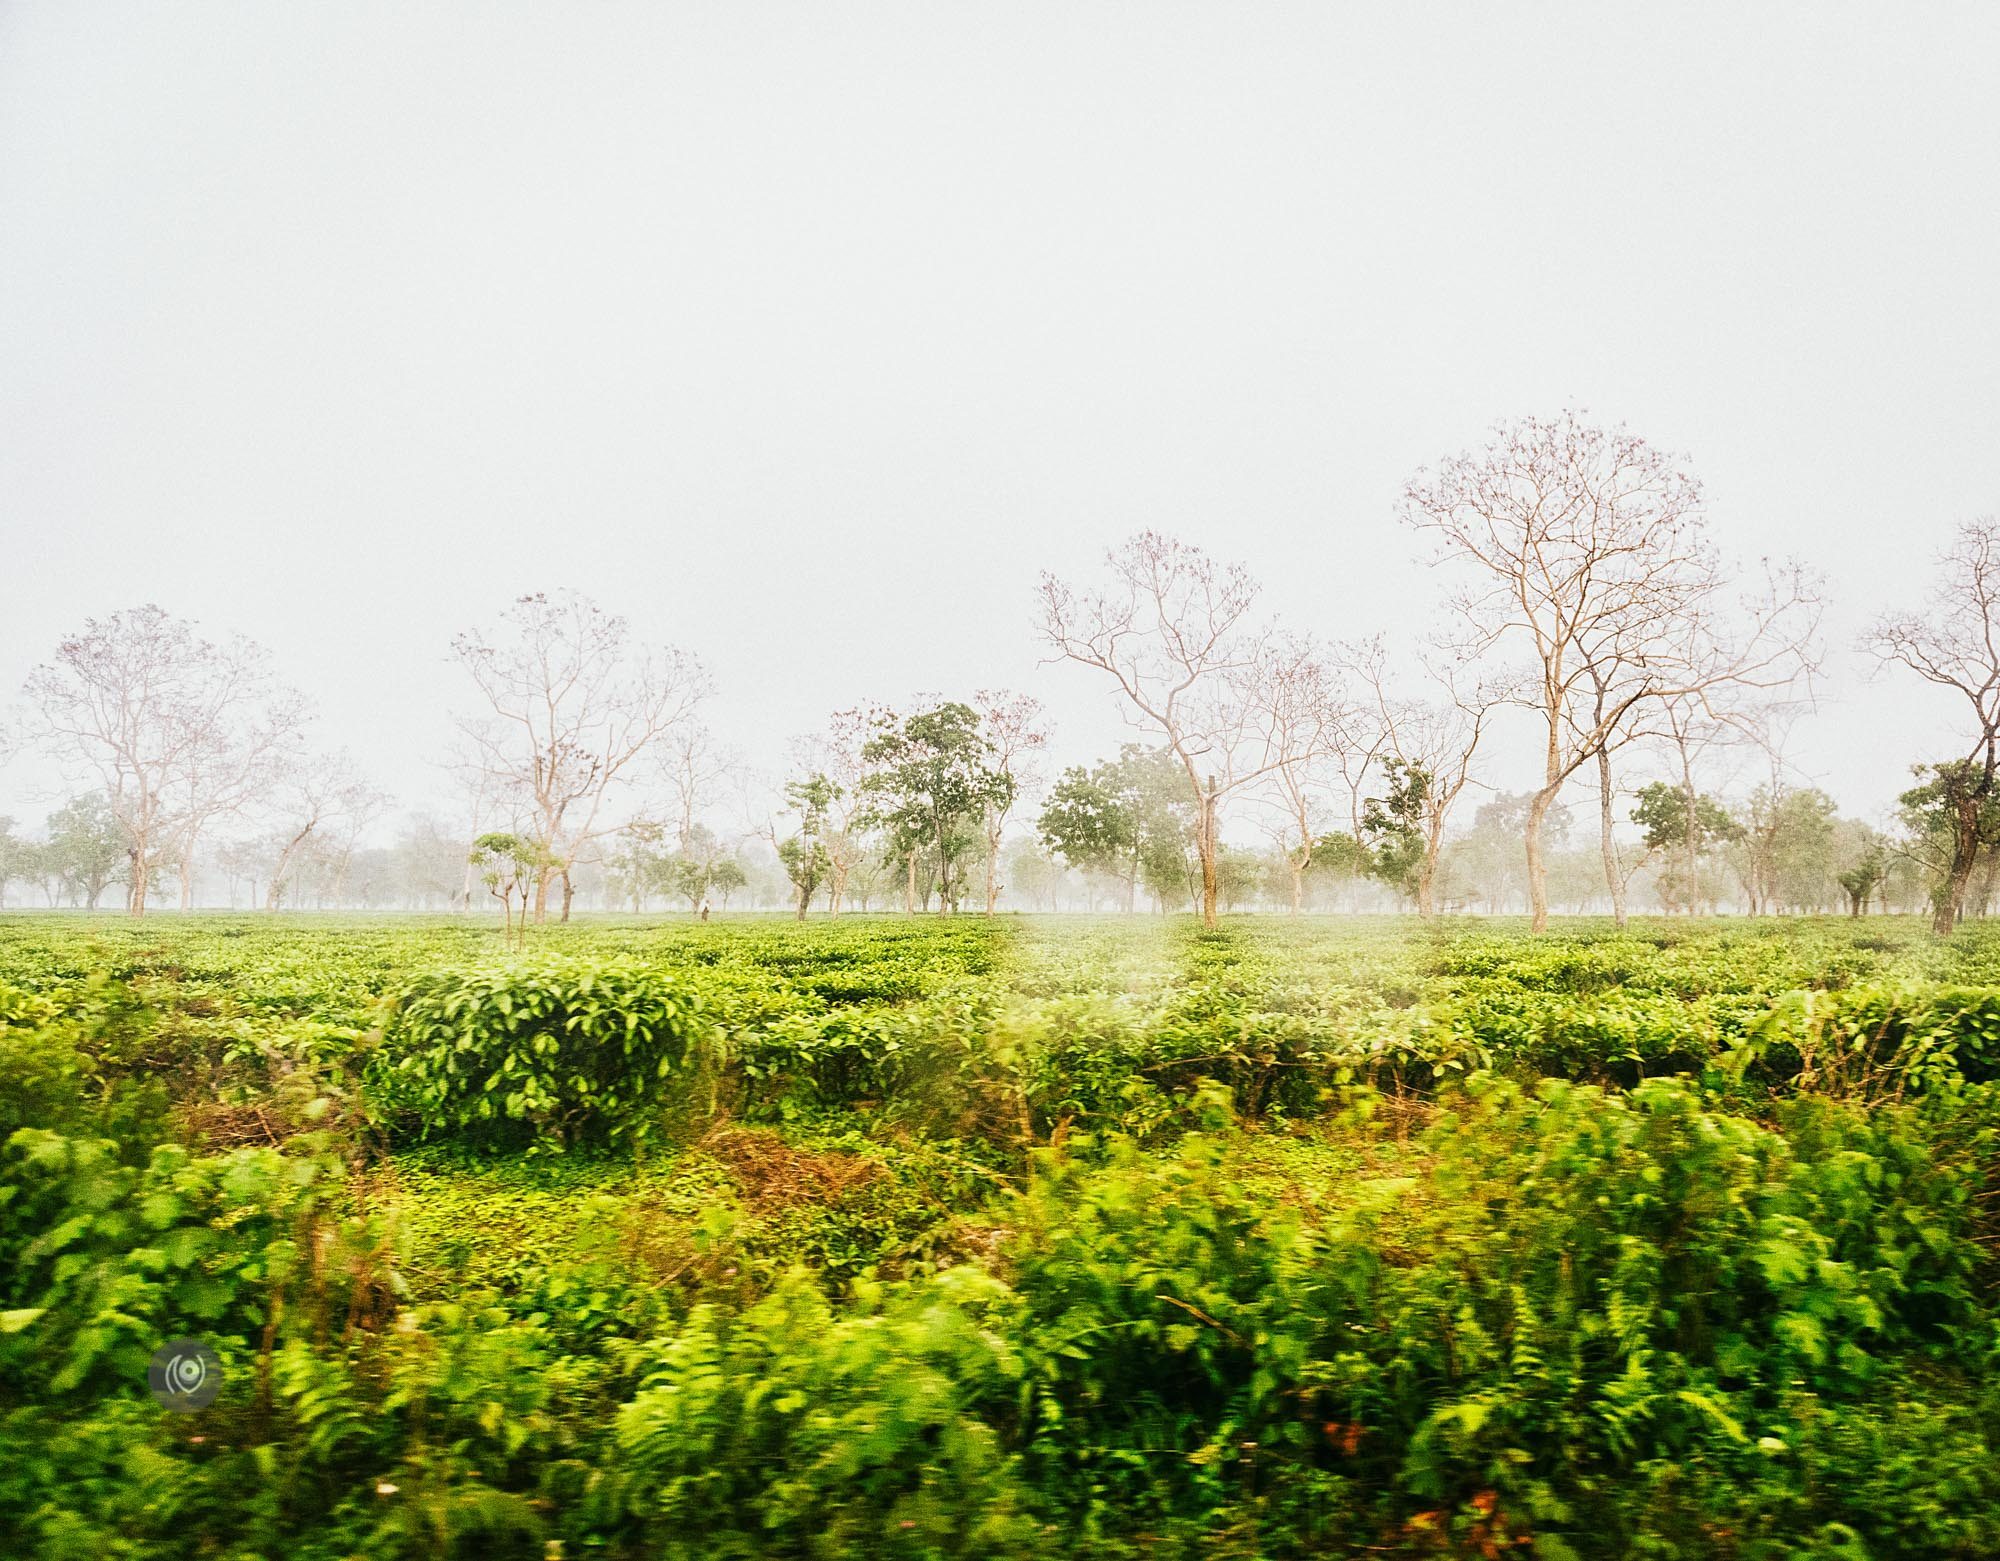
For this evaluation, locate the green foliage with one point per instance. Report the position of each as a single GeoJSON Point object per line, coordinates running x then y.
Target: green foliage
{"type": "Point", "coordinates": [1016, 1239]}
{"type": "Point", "coordinates": [930, 783]}
{"type": "Point", "coordinates": [1393, 826]}
{"type": "Point", "coordinates": [547, 1054]}
{"type": "Point", "coordinates": [1662, 811]}
{"type": "Point", "coordinates": [1128, 818]}
{"type": "Point", "coordinates": [803, 855]}
{"type": "Point", "coordinates": [87, 848]}
{"type": "Point", "coordinates": [795, 1430]}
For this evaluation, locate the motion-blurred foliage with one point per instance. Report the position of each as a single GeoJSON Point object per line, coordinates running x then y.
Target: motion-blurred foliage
{"type": "Point", "coordinates": [968, 1238]}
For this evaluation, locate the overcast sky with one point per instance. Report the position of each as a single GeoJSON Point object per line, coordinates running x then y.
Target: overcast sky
{"type": "Point", "coordinates": [806, 335]}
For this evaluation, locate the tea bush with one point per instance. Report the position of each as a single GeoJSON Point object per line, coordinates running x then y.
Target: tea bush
{"type": "Point", "coordinates": [566, 1050]}
{"type": "Point", "coordinates": [1025, 1238]}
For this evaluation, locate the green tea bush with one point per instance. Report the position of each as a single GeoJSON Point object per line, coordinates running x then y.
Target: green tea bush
{"type": "Point", "coordinates": [1532, 1298]}
{"type": "Point", "coordinates": [794, 1430]}
{"type": "Point", "coordinates": [547, 1053]}
{"type": "Point", "coordinates": [101, 1261]}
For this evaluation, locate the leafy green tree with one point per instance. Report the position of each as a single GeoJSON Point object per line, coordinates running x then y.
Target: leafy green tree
{"type": "Point", "coordinates": [1339, 860]}
{"type": "Point", "coordinates": [1952, 816]}
{"type": "Point", "coordinates": [725, 877]}
{"type": "Point", "coordinates": [1787, 845]}
{"type": "Point", "coordinates": [88, 848]}
{"type": "Point", "coordinates": [16, 856]}
{"type": "Point", "coordinates": [1240, 874]}
{"type": "Point", "coordinates": [803, 855]}
{"type": "Point", "coordinates": [1485, 864]}
{"type": "Point", "coordinates": [931, 781]}
{"type": "Point", "coordinates": [700, 866]}
{"type": "Point", "coordinates": [1033, 876]}
{"type": "Point", "coordinates": [509, 865]}
{"type": "Point", "coordinates": [1670, 825]}
{"type": "Point", "coordinates": [1125, 819]}
{"type": "Point", "coordinates": [1392, 828]}
{"type": "Point", "coordinates": [1091, 823]}
{"type": "Point", "coordinates": [1863, 879]}
{"type": "Point", "coordinates": [636, 866]}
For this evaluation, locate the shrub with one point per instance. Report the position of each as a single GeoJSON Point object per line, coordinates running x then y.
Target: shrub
{"type": "Point", "coordinates": [547, 1054]}
{"type": "Point", "coordinates": [797, 1431]}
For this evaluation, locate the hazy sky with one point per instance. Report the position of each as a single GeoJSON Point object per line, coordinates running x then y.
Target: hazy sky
{"type": "Point", "coordinates": [806, 335]}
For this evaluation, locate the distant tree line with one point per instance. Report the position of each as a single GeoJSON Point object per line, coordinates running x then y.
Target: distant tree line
{"type": "Point", "coordinates": [1271, 767]}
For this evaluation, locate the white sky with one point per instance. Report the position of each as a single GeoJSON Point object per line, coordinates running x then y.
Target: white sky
{"type": "Point", "coordinates": [806, 335]}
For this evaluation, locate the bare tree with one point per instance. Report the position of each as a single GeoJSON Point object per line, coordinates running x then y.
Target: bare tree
{"type": "Point", "coordinates": [1296, 701]}
{"type": "Point", "coordinates": [1437, 739]}
{"type": "Point", "coordinates": [1590, 545]}
{"type": "Point", "coordinates": [1017, 727]}
{"type": "Point", "coordinates": [1954, 643]}
{"type": "Point", "coordinates": [837, 753]}
{"type": "Point", "coordinates": [572, 706]}
{"type": "Point", "coordinates": [319, 801]}
{"type": "Point", "coordinates": [1171, 628]}
{"type": "Point", "coordinates": [222, 776]}
{"type": "Point", "coordinates": [175, 728]}
{"type": "Point", "coordinates": [695, 768]}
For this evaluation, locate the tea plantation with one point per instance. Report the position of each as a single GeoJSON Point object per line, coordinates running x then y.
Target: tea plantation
{"type": "Point", "coordinates": [1025, 1237]}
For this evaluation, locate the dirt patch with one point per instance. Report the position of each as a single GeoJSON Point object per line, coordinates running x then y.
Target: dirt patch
{"type": "Point", "coordinates": [234, 1127]}
{"type": "Point", "coordinates": [774, 1174]}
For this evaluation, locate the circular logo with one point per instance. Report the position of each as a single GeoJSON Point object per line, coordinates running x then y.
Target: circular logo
{"type": "Point", "coordinates": [185, 1375]}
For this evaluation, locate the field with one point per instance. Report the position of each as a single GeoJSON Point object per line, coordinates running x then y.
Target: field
{"type": "Point", "coordinates": [1032, 1236]}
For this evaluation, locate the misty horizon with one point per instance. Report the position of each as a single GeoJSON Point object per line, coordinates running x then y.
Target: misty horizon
{"type": "Point", "coordinates": [809, 350]}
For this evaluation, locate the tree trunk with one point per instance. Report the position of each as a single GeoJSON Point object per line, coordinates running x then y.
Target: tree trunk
{"type": "Point", "coordinates": [944, 872]}
{"type": "Point", "coordinates": [1614, 878]}
{"type": "Point", "coordinates": [1298, 884]}
{"type": "Point", "coordinates": [1538, 874]}
{"type": "Point", "coordinates": [992, 871]}
{"type": "Point", "coordinates": [135, 887]}
{"type": "Point", "coordinates": [569, 894]}
{"type": "Point", "coordinates": [1692, 845]}
{"type": "Point", "coordinates": [1427, 870]}
{"type": "Point", "coordinates": [1964, 853]}
{"type": "Point", "coordinates": [1210, 883]}
{"type": "Point", "coordinates": [910, 890]}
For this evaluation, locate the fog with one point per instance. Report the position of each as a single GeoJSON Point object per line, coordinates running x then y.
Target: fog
{"type": "Point", "coordinates": [806, 339]}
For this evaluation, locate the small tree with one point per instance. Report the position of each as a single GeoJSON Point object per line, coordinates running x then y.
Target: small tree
{"type": "Point", "coordinates": [1438, 737]}
{"type": "Point", "coordinates": [1126, 819]}
{"type": "Point", "coordinates": [932, 783]}
{"type": "Point", "coordinates": [508, 865]}
{"type": "Point", "coordinates": [1670, 824]}
{"type": "Point", "coordinates": [1392, 827]}
{"type": "Point", "coordinates": [572, 707]}
{"type": "Point", "coordinates": [803, 855]}
{"type": "Point", "coordinates": [1863, 879]}
{"type": "Point", "coordinates": [1172, 630]}
{"type": "Point", "coordinates": [88, 848]}
{"type": "Point", "coordinates": [1954, 644]}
